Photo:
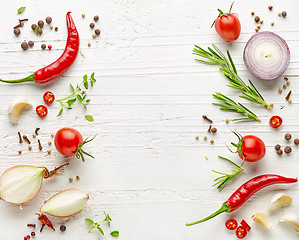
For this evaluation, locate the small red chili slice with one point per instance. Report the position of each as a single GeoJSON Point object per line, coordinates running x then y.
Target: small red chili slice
{"type": "Point", "coordinates": [41, 111]}
{"type": "Point", "coordinates": [275, 121]}
{"type": "Point", "coordinates": [231, 224]}
{"type": "Point", "coordinates": [49, 97]}
{"type": "Point", "coordinates": [241, 232]}
{"type": "Point", "coordinates": [245, 225]}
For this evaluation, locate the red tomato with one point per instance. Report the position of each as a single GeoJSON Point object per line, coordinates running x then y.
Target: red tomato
{"type": "Point", "coordinates": [49, 97]}
{"type": "Point", "coordinates": [241, 232]}
{"type": "Point", "coordinates": [275, 121]}
{"type": "Point", "coordinates": [67, 141]}
{"type": "Point", "coordinates": [253, 148]}
{"type": "Point", "coordinates": [245, 225]}
{"type": "Point", "coordinates": [231, 224]}
{"type": "Point", "coordinates": [41, 111]}
{"type": "Point", "coordinates": [228, 27]}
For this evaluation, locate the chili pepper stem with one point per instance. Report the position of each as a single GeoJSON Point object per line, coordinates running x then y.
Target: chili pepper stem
{"type": "Point", "coordinates": [225, 208]}
{"type": "Point", "coordinates": [30, 78]}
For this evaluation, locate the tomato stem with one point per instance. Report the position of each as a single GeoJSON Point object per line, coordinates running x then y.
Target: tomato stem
{"type": "Point", "coordinates": [80, 152]}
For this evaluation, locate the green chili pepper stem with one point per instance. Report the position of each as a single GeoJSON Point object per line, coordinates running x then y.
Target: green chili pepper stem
{"type": "Point", "coordinates": [225, 208]}
{"type": "Point", "coordinates": [30, 78]}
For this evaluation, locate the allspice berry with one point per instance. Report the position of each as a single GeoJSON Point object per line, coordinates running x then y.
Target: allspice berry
{"type": "Point", "coordinates": [288, 136]}
{"type": "Point", "coordinates": [257, 19]}
{"type": "Point", "coordinates": [214, 130]}
{"type": "Point", "coordinates": [279, 152]}
{"type": "Point", "coordinates": [40, 23]}
{"type": "Point", "coordinates": [33, 27]}
{"type": "Point", "coordinates": [17, 31]}
{"type": "Point", "coordinates": [296, 141]}
{"type": "Point", "coordinates": [97, 32]}
{"type": "Point", "coordinates": [48, 20]}
{"type": "Point", "coordinates": [43, 46]}
{"type": "Point", "coordinates": [24, 45]}
{"type": "Point", "coordinates": [40, 31]}
{"type": "Point", "coordinates": [96, 18]}
{"type": "Point", "coordinates": [91, 25]}
{"type": "Point", "coordinates": [287, 149]}
{"type": "Point", "coordinates": [277, 147]}
{"type": "Point", "coordinates": [30, 43]}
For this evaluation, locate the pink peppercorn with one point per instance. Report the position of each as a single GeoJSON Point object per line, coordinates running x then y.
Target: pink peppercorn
{"type": "Point", "coordinates": [270, 8]}
{"type": "Point", "coordinates": [50, 47]}
{"type": "Point", "coordinates": [28, 237]}
{"type": "Point", "coordinates": [25, 238]}
{"type": "Point", "coordinates": [32, 234]}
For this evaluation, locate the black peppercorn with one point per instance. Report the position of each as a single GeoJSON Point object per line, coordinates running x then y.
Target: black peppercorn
{"type": "Point", "coordinates": [48, 20]}
{"type": "Point", "coordinates": [40, 23]}
{"type": "Point", "coordinates": [62, 228]}
{"type": "Point", "coordinates": [277, 147]}
{"type": "Point", "coordinates": [24, 45]}
{"type": "Point", "coordinates": [284, 13]}
{"type": "Point", "coordinates": [91, 25]}
{"type": "Point", "coordinates": [30, 43]}
{"type": "Point", "coordinates": [288, 136]}
{"type": "Point", "coordinates": [43, 46]}
{"type": "Point", "coordinates": [97, 32]}
{"type": "Point", "coordinates": [296, 141]}
{"type": "Point", "coordinates": [40, 31]}
{"type": "Point", "coordinates": [96, 18]}
{"type": "Point", "coordinates": [17, 31]}
{"type": "Point", "coordinates": [287, 149]}
{"type": "Point", "coordinates": [33, 27]}
{"type": "Point", "coordinates": [214, 130]}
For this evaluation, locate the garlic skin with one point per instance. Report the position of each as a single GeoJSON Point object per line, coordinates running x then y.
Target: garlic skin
{"type": "Point", "coordinates": [279, 200]}
{"type": "Point", "coordinates": [65, 203]}
{"type": "Point", "coordinates": [16, 108]}
{"type": "Point", "coordinates": [262, 219]}
{"type": "Point", "coordinates": [291, 219]}
{"type": "Point", "coordinates": [21, 184]}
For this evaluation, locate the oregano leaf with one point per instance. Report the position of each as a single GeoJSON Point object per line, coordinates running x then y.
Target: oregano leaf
{"type": "Point", "coordinates": [114, 233]}
{"type": "Point", "coordinates": [89, 118]}
{"type": "Point", "coordinates": [60, 112]}
{"type": "Point", "coordinates": [21, 10]}
{"type": "Point", "coordinates": [35, 30]}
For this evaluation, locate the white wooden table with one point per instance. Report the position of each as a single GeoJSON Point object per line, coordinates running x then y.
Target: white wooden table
{"type": "Point", "coordinates": [149, 172]}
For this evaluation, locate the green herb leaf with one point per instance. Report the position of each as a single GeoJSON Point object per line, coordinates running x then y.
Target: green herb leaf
{"type": "Point", "coordinates": [89, 220]}
{"type": "Point", "coordinates": [114, 233]}
{"type": "Point", "coordinates": [89, 118]}
{"type": "Point", "coordinates": [86, 84]}
{"type": "Point", "coordinates": [60, 112]}
{"type": "Point", "coordinates": [87, 100]}
{"type": "Point", "coordinates": [72, 87]}
{"type": "Point", "coordinates": [100, 229]}
{"type": "Point", "coordinates": [21, 10]}
{"type": "Point", "coordinates": [71, 101]}
{"type": "Point", "coordinates": [85, 77]}
{"type": "Point", "coordinates": [35, 30]}
{"type": "Point", "coordinates": [79, 98]}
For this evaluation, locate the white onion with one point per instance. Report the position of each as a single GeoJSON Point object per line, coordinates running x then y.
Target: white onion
{"type": "Point", "coordinates": [22, 183]}
{"type": "Point", "coordinates": [65, 203]}
{"type": "Point", "coordinates": [266, 55]}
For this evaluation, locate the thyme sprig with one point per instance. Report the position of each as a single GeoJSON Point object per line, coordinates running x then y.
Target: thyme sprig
{"type": "Point", "coordinates": [79, 95]}
{"type": "Point", "coordinates": [227, 67]}
{"type": "Point", "coordinates": [230, 105]}
{"type": "Point", "coordinates": [225, 178]}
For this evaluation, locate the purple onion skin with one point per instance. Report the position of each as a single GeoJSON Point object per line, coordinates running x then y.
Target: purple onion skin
{"type": "Point", "coordinates": [272, 75]}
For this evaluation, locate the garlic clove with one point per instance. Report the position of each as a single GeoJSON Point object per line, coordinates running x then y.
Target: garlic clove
{"type": "Point", "coordinates": [262, 219]}
{"type": "Point", "coordinates": [16, 108]}
{"type": "Point", "coordinates": [291, 219]}
{"type": "Point", "coordinates": [21, 184]}
{"type": "Point", "coordinates": [65, 203]}
{"type": "Point", "coordinates": [279, 200]}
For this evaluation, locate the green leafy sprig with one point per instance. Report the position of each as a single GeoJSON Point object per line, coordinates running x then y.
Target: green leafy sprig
{"type": "Point", "coordinates": [216, 57]}
{"type": "Point", "coordinates": [97, 225]}
{"type": "Point", "coordinates": [225, 178]}
{"type": "Point", "coordinates": [80, 152]}
{"type": "Point", "coordinates": [230, 105]}
{"type": "Point", "coordinates": [21, 10]}
{"type": "Point", "coordinates": [79, 95]}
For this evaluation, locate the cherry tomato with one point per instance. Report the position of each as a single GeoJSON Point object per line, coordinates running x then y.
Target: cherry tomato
{"type": "Point", "coordinates": [228, 26]}
{"type": "Point", "coordinates": [49, 97]}
{"type": "Point", "coordinates": [275, 121]}
{"type": "Point", "coordinates": [245, 225]}
{"type": "Point", "coordinates": [253, 148]}
{"type": "Point", "coordinates": [231, 224]}
{"type": "Point", "coordinates": [241, 232]}
{"type": "Point", "coordinates": [67, 141]}
{"type": "Point", "coordinates": [41, 111]}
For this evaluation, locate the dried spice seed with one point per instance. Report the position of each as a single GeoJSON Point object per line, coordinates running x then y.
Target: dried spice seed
{"type": "Point", "coordinates": [29, 147]}
{"type": "Point", "coordinates": [96, 18]}
{"type": "Point", "coordinates": [272, 23]}
{"type": "Point", "coordinates": [94, 36]}
{"type": "Point", "coordinates": [271, 105]}
{"type": "Point", "coordinates": [49, 152]}
{"type": "Point", "coordinates": [288, 96]}
{"type": "Point", "coordinates": [36, 130]}
{"type": "Point", "coordinates": [270, 8]}
{"type": "Point", "coordinates": [287, 136]}
{"type": "Point", "coordinates": [43, 46]}
{"type": "Point", "coordinates": [284, 13]}
{"type": "Point", "coordinates": [206, 157]}
{"type": "Point", "coordinates": [296, 141]}
{"type": "Point", "coordinates": [89, 44]}
{"type": "Point", "coordinates": [40, 31]}
{"type": "Point", "coordinates": [48, 20]}
{"type": "Point", "coordinates": [279, 14]}
{"type": "Point", "coordinates": [49, 47]}
{"type": "Point", "coordinates": [226, 120]}
{"type": "Point", "coordinates": [20, 151]}
{"type": "Point", "coordinates": [257, 19]}
{"type": "Point", "coordinates": [262, 21]}
{"type": "Point", "coordinates": [70, 179]}
{"type": "Point", "coordinates": [284, 86]}
{"type": "Point", "coordinates": [56, 29]}
{"type": "Point", "coordinates": [26, 139]}
{"type": "Point", "coordinates": [279, 152]}
{"type": "Point", "coordinates": [62, 228]}
{"type": "Point", "coordinates": [24, 45]}
{"type": "Point", "coordinates": [279, 90]}
{"type": "Point", "coordinates": [277, 147]}
{"type": "Point", "coordinates": [285, 78]}
{"type": "Point", "coordinates": [83, 15]}
{"type": "Point", "coordinates": [97, 32]}
{"type": "Point", "coordinates": [91, 25]}
{"type": "Point", "coordinates": [288, 83]}
{"type": "Point", "coordinates": [196, 138]}
{"type": "Point", "coordinates": [20, 137]}
{"type": "Point", "coordinates": [34, 135]}
{"type": "Point", "coordinates": [287, 149]}
{"type": "Point", "coordinates": [17, 31]}
{"type": "Point", "coordinates": [40, 147]}
{"type": "Point", "coordinates": [210, 127]}
{"type": "Point", "coordinates": [40, 23]}
{"type": "Point", "coordinates": [51, 27]}
{"type": "Point", "coordinates": [214, 130]}
{"type": "Point", "coordinates": [49, 143]}
{"type": "Point", "coordinates": [256, 29]}
{"type": "Point", "coordinates": [30, 43]}
{"type": "Point", "coordinates": [212, 141]}
{"type": "Point", "coordinates": [290, 100]}
{"type": "Point", "coordinates": [33, 26]}
{"type": "Point", "coordinates": [205, 138]}
{"type": "Point", "coordinates": [252, 13]}
{"type": "Point", "coordinates": [52, 135]}
{"type": "Point", "coordinates": [77, 178]}
{"type": "Point", "coordinates": [258, 26]}
{"type": "Point", "coordinates": [206, 118]}
{"type": "Point", "coordinates": [32, 234]}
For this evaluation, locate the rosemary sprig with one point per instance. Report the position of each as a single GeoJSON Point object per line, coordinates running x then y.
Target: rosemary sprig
{"type": "Point", "coordinates": [79, 96]}
{"type": "Point", "coordinates": [230, 105]}
{"type": "Point", "coordinates": [227, 67]}
{"type": "Point", "coordinates": [225, 178]}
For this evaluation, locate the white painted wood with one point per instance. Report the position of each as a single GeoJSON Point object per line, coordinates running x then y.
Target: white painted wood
{"type": "Point", "coordinates": [149, 173]}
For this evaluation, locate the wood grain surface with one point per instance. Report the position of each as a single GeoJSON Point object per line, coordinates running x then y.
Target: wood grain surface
{"type": "Point", "coordinates": [149, 173]}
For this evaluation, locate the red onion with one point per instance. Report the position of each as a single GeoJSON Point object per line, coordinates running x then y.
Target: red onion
{"type": "Point", "coordinates": [266, 55]}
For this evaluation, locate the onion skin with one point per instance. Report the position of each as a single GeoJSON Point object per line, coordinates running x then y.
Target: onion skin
{"type": "Point", "coordinates": [256, 65]}
{"type": "Point", "coordinates": [65, 203]}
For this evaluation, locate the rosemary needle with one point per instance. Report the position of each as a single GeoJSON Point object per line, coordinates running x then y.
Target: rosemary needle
{"type": "Point", "coordinates": [227, 67]}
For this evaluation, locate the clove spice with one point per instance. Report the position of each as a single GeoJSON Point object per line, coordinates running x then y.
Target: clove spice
{"type": "Point", "coordinates": [40, 147]}
{"type": "Point", "coordinates": [20, 138]}
{"type": "Point", "coordinates": [210, 127]}
{"type": "Point", "coordinates": [31, 225]}
{"type": "Point", "coordinates": [206, 118]}
{"type": "Point", "coordinates": [23, 20]}
{"type": "Point", "coordinates": [288, 96]}
{"type": "Point", "coordinates": [26, 139]}
{"type": "Point", "coordinates": [36, 131]}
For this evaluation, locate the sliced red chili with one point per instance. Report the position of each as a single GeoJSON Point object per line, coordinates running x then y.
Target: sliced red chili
{"type": "Point", "coordinates": [245, 225]}
{"type": "Point", "coordinates": [49, 97]}
{"type": "Point", "coordinates": [41, 111]}
{"type": "Point", "coordinates": [241, 232]}
{"type": "Point", "coordinates": [231, 224]}
{"type": "Point", "coordinates": [275, 121]}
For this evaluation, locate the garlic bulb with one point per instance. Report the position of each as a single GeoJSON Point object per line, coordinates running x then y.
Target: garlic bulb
{"type": "Point", "coordinates": [262, 219]}
{"type": "Point", "coordinates": [65, 203]}
{"type": "Point", "coordinates": [291, 219]}
{"type": "Point", "coordinates": [279, 200]}
{"type": "Point", "coordinates": [21, 184]}
{"type": "Point", "coordinates": [16, 108]}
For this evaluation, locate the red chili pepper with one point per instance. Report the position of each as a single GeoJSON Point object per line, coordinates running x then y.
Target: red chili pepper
{"type": "Point", "coordinates": [62, 64]}
{"type": "Point", "coordinates": [45, 220]}
{"type": "Point", "coordinates": [243, 193]}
